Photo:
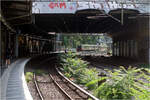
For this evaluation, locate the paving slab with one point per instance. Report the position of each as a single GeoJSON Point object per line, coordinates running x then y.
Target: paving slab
{"type": "Point", "coordinates": [13, 84]}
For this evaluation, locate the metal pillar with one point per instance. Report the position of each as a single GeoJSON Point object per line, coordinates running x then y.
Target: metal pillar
{"type": "Point", "coordinates": [123, 48]}
{"type": "Point", "coordinates": [119, 48]}
{"type": "Point", "coordinates": [16, 48]}
{"type": "Point", "coordinates": [131, 46]}
{"type": "Point", "coordinates": [127, 48]}
{"type": "Point", "coordinates": [123, 45]}
{"type": "Point", "coordinates": [149, 48]}
{"type": "Point", "coordinates": [149, 54]}
{"type": "Point", "coordinates": [0, 49]}
{"type": "Point", "coordinates": [126, 54]}
{"type": "Point", "coordinates": [136, 49]}
{"type": "Point", "coordinates": [113, 49]}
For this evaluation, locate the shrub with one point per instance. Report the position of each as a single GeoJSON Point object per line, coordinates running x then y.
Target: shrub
{"type": "Point", "coordinates": [67, 75]}
{"type": "Point", "coordinates": [73, 66]}
{"type": "Point", "coordinates": [93, 84]}
{"type": "Point", "coordinates": [29, 76]}
{"type": "Point", "coordinates": [120, 84]}
{"type": "Point", "coordinates": [123, 84]}
{"type": "Point", "coordinates": [88, 75]}
{"type": "Point", "coordinates": [39, 72]}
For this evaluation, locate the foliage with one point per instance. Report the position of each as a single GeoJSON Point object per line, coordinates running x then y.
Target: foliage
{"type": "Point", "coordinates": [124, 84]}
{"type": "Point", "coordinates": [68, 75]}
{"type": "Point", "coordinates": [29, 76]}
{"type": "Point", "coordinates": [88, 75]}
{"type": "Point", "coordinates": [119, 84]}
{"type": "Point", "coordinates": [77, 68]}
{"type": "Point", "coordinates": [93, 84]}
{"type": "Point", "coordinates": [39, 72]}
{"type": "Point", "coordinates": [73, 66]}
{"type": "Point", "coordinates": [63, 57]}
{"type": "Point", "coordinates": [74, 41]}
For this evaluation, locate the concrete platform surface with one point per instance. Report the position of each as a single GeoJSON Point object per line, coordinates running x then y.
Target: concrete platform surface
{"type": "Point", "coordinates": [13, 84]}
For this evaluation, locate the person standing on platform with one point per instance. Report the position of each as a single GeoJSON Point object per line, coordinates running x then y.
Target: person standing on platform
{"type": "Point", "coordinates": [8, 55]}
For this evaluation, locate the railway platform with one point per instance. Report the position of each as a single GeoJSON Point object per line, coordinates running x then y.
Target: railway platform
{"type": "Point", "coordinates": [13, 84]}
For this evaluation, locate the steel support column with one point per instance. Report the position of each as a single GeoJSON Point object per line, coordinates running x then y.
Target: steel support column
{"type": "Point", "coordinates": [119, 48]}
{"type": "Point", "coordinates": [113, 50]}
{"type": "Point", "coordinates": [124, 48]}
{"type": "Point", "coordinates": [0, 48]}
{"type": "Point", "coordinates": [16, 48]}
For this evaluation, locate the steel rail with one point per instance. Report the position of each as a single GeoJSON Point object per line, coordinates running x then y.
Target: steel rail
{"type": "Point", "coordinates": [76, 86]}
{"type": "Point", "coordinates": [37, 87]}
{"type": "Point", "coordinates": [60, 87]}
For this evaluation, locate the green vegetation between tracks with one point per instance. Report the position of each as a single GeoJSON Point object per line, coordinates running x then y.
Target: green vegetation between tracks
{"type": "Point", "coordinates": [124, 84]}
{"type": "Point", "coordinates": [29, 76]}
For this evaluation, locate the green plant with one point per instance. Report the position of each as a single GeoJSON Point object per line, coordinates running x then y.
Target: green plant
{"type": "Point", "coordinates": [120, 84]}
{"type": "Point", "coordinates": [88, 75]}
{"type": "Point", "coordinates": [29, 76]}
{"type": "Point", "coordinates": [72, 65]}
{"type": "Point", "coordinates": [124, 84]}
{"type": "Point", "coordinates": [93, 84]}
{"type": "Point", "coordinates": [39, 72]}
{"type": "Point", "coordinates": [68, 75]}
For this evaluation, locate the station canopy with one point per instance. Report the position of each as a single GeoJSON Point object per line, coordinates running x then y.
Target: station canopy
{"type": "Point", "coordinates": [82, 16]}
{"type": "Point", "coordinates": [72, 16]}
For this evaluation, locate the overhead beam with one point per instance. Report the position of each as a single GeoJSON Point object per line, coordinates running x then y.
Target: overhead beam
{"type": "Point", "coordinates": [18, 17]}
{"type": "Point", "coordinates": [13, 5]}
{"type": "Point", "coordinates": [22, 2]}
{"type": "Point", "coordinates": [11, 13]}
{"type": "Point", "coordinates": [5, 23]}
{"type": "Point", "coordinates": [18, 9]}
{"type": "Point", "coordinates": [94, 34]}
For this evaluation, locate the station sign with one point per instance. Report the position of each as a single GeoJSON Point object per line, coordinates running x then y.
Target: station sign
{"type": "Point", "coordinates": [72, 7]}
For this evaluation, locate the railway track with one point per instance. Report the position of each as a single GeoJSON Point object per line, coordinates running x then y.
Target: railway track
{"type": "Point", "coordinates": [48, 90]}
{"type": "Point", "coordinates": [37, 87]}
{"type": "Point", "coordinates": [60, 88]}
